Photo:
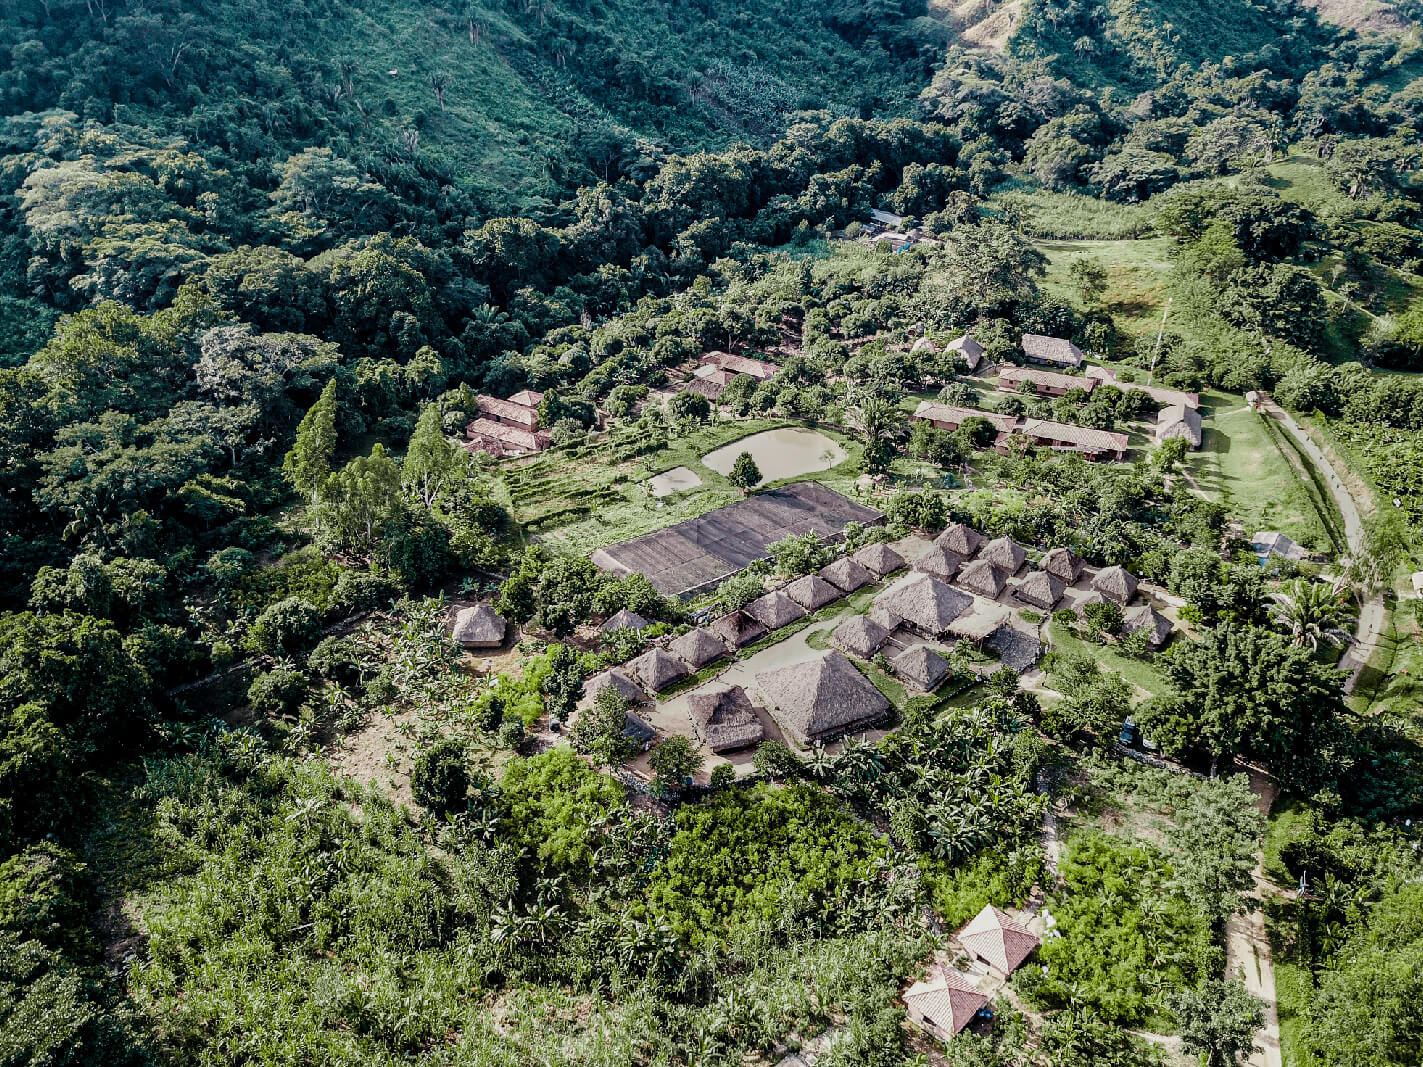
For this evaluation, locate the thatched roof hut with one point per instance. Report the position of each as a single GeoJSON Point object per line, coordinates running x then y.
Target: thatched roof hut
{"type": "Point", "coordinates": [822, 697]}
{"type": "Point", "coordinates": [925, 603]}
{"type": "Point", "coordinates": [812, 592]}
{"type": "Point", "coordinates": [1080, 608]}
{"type": "Point", "coordinates": [697, 648]}
{"type": "Point", "coordinates": [961, 540]}
{"type": "Point", "coordinates": [737, 629]}
{"type": "Point", "coordinates": [478, 627]}
{"type": "Point", "coordinates": [625, 620]}
{"type": "Point", "coordinates": [979, 624]}
{"type": "Point", "coordinates": [1005, 554]}
{"type": "Point", "coordinates": [725, 719]}
{"type": "Point", "coordinates": [1115, 583]}
{"type": "Point", "coordinates": [860, 636]}
{"type": "Point", "coordinates": [1041, 590]}
{"type": "Point", "coordinates": [775, 610]}
{"type": "Point", "coordinates": [1063, 563]}
{"type": "Point", "coordinates": [967, 347]}
{"type": "Point", "coordinates": [879, 559]}
{"type": "Point", "coordinates": [618, 680]}
{"type": "Point", "coordinates": [639, 729]}
{"type": "Point", "coordinates": [998, 940]}
{"type": "Point", "coordinates": [939, 562]}
{"type": "Point", "coordinates": [921, 667]}
{"type": "Point", "coordinates": [983, 578]}
{"type": "Point", "coordinates": [657, 669]}
{"type": "Point", "coordinates": [847, 575]}
{"type": "Point", "coordinates": [1016, 649]}
{"type": "Point", "coordinates": [1145, 617]}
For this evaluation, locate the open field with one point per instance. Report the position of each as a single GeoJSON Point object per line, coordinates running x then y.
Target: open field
{"type": "Point", "coordinates": [1137, 276]}
{"type": "Point", "coordinates": [1240, 463]}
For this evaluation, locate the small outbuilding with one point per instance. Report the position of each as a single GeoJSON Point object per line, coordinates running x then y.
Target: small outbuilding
{"type": "Point", "coordinates": [1179, 421]}
{"type": "Point", "coordinates": [737, 629]}
{"type": "Point", "coordinates": [921, 667]}
{"type": "Point", "coordinates": [944, 1003]}
{"type": "Point", "coordinates": [1271, 543]}
{"type": "Point", "coordinates": [879, 559]}
{"type": "Point", "coordinates": [1145, 617]}
{"type": "Point", "coordinates": [1005, 554]}
{"type": "Point", "coordinates": [967, 348]}
{"type": "Point", "coordinates": [978, 626]}
{"type": "Point", "coordinates": [625, 620]}
{"type": "Point", "coordinates": [822, 698]}
{"type": "Point", "coordinates": [939, 562]}
{"type": "Point", "coordinates": [1041, 590]}
{"type": "Point", "coordinates": [1016, 649]}
{"type": "Point", "coordinates": [983, 578]}
{"type": "Point", "coordinates": [775, 610]}
{"type": "Point", "coordinates": [618, 680]}
{"type": "Point", "coordinates": [657, 669]}
{"type": "Point", "coordinates": [696, 648]}
{"type": "Point", "coordinates": [725, 719]}
{"type": "Point", "coordinates": [812, 592]}
{"type": "Point", "coordinates": [860, 636]}
{"type": "Point", "coordinates": [997, 939]}
{"type": "Point", "coordinates": [1117, 584]}
{"type": "Point", "coordinates": [1063, 563]}
{"type": "Point", "coordinates": [846, 575]}
{"type": "Point", "coordinates": [479, 626]}
{"type": "Point", "coordinates": [961, 540]}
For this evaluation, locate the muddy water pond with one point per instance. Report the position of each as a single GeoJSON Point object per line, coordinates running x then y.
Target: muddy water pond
{"type": "Point", "coordinates": [677, 480]}
{"type": "Point", "coordinates": [784, 453]}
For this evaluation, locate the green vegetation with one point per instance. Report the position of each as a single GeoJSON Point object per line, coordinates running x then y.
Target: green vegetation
{"type": "Point", "coordinates": [266, 265]}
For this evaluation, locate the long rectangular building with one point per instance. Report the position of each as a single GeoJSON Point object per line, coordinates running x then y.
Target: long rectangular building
{"type": "Point", "coordinates": [693, 556]}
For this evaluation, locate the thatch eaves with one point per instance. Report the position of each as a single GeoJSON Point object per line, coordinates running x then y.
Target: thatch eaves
{"type": "Point", "coordinates": [479, 626]}
{"type": "Point", "coordinates": [822, 697]}
{"type": "Point", "coordinates": [697, 648]}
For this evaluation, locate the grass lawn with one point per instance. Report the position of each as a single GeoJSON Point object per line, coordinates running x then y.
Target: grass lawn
{"type": "Point", "coordinates": [1137, 275]}
{"type": "Point", "coordinates": [1241, 465]}
{"type": "Point", "coordinates": [1052, 215]}
{"type": "Point", "coordinates": [1392, 682]}
{"type": "Point", "coordinates": [1144, 676]}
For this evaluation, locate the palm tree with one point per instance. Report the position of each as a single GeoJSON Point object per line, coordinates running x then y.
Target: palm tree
{"type": "Point", "coordinates": [1310, 611]}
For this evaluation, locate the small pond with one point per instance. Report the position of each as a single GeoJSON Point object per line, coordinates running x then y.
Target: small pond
{"type": "Point", "coordinates": [784, 453]}
{"type": "Point", "coordinates": [677, 480]}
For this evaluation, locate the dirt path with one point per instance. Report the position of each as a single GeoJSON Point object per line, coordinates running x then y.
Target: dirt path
{"type": "Point", "coordinates": [1373, 615]}
{"type": "Point", "coordinates": [1247, 947]}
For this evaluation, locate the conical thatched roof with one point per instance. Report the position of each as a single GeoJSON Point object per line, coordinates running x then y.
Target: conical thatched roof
{"type": "Point", "coordinates": [1115, 583]}
{"type": "Point", "coordinates": [1062, 563]}
{"type": "Point", "coordinates": [1147, 618]}
{"type": "Point", "coordinates": [925, 603]}
{"type": "Point", "coordinates": [725, 719]}
{"type": "Point", "coordinates": [922, 667]}
{"type": "Point", "coordinates": [638, 728]}
{"type": "Point", "coordinates": [1041, 590]}
{"type": "Point", "coordinates": [657, 669]}
{"type": "Point", "coordinates": [860, 636]}
{"type": "Point", "coordinates": [618, 680]}
{"type": "Point", "coordinates": [812, 592]}
{"type": "Point", "coordinates": [625, 620]}
{"type": "Point", "coordinates": [1005, 554]}
{"type": "Point", "coordinates": [879, 559]}
{"type": "Point", "coordinates": [847, 575]}
{"type": "Point", "coordinates": [939, 562]}
{"type": "Point", "coordinates": [478, 627]}
{"type": "Point", "coordinates": [924, 344]}
{"type": "Point", "coordinates": [737, 629]}
{"type": "Point", "coordinates": [999, 941]}
{"type": "Point", "coordinates": [775, 610]}
{"type": "Point", "coordinates": [697, 648]}
{"type": "Point", "coordinates": [821, 697]}
{"type": "Point", "coordinates": [961, 540]}
{"type": "Point", "coordinates": [983, 578]}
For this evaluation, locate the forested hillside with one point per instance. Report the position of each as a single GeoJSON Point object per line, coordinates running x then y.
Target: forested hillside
{"type": "Point", "coordinates": [260, 261]}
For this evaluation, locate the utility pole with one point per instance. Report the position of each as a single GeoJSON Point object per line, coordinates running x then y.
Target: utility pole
{"type": "Point", "coordinates": [1159, 335]}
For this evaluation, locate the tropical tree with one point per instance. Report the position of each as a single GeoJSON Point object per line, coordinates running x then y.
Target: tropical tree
{"type": "Point", "coordinates": [880, 421]}
{"type": "Point", "coordinates": [744, 472]}
{"type": "Point", "coordinates": [308, 465]}
{"type": "Point", "coordinates": [1218, 1020]}
{"type": "Point", "coordinates": [1311, 611]}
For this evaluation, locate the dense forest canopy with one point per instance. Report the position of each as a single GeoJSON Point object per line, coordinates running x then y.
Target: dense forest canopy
{"type": "Point", "coordinates": [257, 263]}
